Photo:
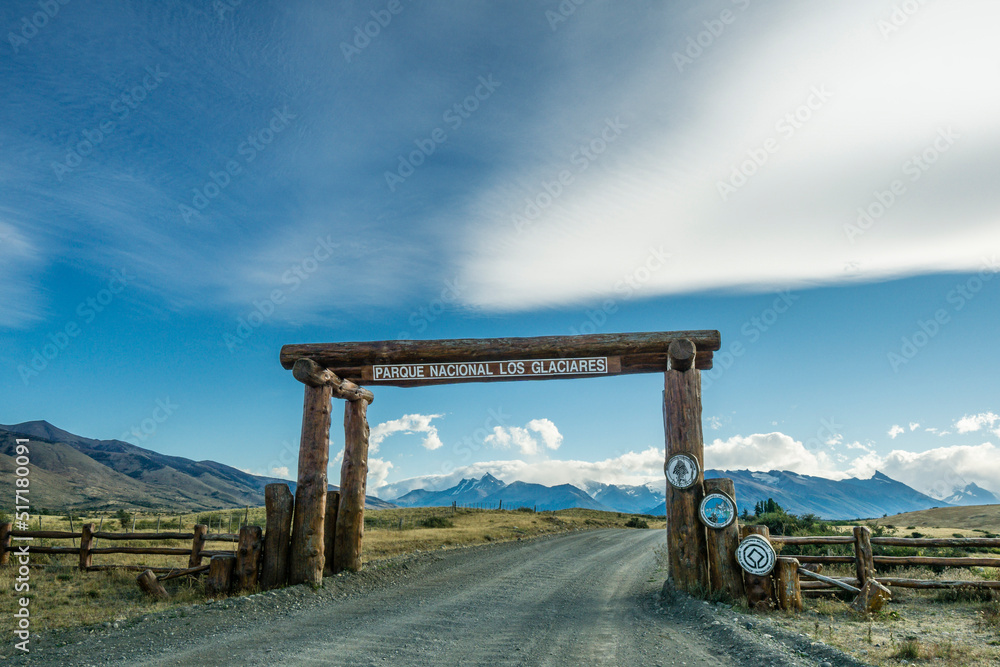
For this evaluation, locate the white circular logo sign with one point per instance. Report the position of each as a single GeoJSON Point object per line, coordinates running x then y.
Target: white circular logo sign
{"type": "Point", "coordinates": [681, 470]}
{"type": "Point", "coordinates": [717, 510]}
{"type": "Point", "coordinates": [756, 555]}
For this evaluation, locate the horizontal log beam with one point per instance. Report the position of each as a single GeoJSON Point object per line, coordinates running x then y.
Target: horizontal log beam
{"type": "Point", "coordinates": [960, 542]}
{"type": "Point", "coordinates": [308, 372]}
{"type": "Point", "coordinates": [933, 583]}
{"type": "Point", "coordinates": [53, 534]}
{"type": "Point", "coordinates": [944, 561]}
{"type": "Point", "coordinates": [822, 559]}
{"type": "Point", "coordinates": [346, 355]}
{"type": "Point", "coordinates": [819, 539]}
{"type": "Point", "coordinates": [185, 572]}
{"type": "Point", "coordinates": [159, 551]}
{"type": "Point", "coordinates": [144, 536]}
{"type": "Point", "coordinates": [829, 580]}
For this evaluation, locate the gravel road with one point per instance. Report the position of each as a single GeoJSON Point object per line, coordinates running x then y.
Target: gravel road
{"type": "Point", "coordinates": [581, 598]}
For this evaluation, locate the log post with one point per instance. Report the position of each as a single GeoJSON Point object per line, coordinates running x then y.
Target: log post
{"type": "Point", "coordinates": [789, 588]}
{"type": "Point", "coordinates": [686, 540]}
{"type": "Point", "coordinates": [871, 598]}
{"type": "Point", "coordinates": [725, 572]}
{"type": "Point", "coordinates": [330, 530]}
{"type": "Point", "coordinates": [86, 541]}
{"type": "Point", "coordinates": [5, 529]}
{"type": "Point", "coordinates": [151, 586]}
{"type": "Point", "coordinates": [760, 590]}
{"type": "Point", "coordinates": [248, 557]}
{"type": "Point", "coordinates": [306, 557]}
{"type": "Point", "coordinates": [277, 540]}
{"type": "Point", "coordinates": [864, 560]}
{"type": "Point", "coordinates": [353, 479]}
{"type": "Point", "coordinates": [197, 544]}
{"type": "Point", "coordinates": [220, 575]}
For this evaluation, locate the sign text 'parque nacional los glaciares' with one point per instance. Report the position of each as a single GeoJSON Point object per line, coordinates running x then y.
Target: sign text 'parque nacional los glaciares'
{"type": "Point", "coordinates": [494, 370]}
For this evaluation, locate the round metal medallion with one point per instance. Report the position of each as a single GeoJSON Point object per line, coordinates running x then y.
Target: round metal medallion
{"type": "Point", "coordinates": [756, 555]}
{"type": "Point", "coordinates": [681, 470]}
{"type": "Point", "coordinates": [717, 510]}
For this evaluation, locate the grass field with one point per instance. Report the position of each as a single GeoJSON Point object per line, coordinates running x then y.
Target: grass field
{"type": "Point", "coordinates": [63, 596]}
{"type": "Point", "coordinates": [974, 518]}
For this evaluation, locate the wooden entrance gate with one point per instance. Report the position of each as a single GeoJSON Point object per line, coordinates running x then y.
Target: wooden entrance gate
{"type": "Point", "coordinates": [329, 534]}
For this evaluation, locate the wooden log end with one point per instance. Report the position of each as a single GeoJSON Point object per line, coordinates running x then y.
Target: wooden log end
{"type": "Point", "coordinates": [310, 373]}
{"type": "Point", "coordinates": [872, 598]}
{"type": "Point", "coordinates": [151, 586]}
{"type": "Point", "coordinates": [682, 354]}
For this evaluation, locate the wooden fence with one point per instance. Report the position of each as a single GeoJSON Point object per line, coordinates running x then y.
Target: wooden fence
{"type": "Point", "coordinates": [793, 567]}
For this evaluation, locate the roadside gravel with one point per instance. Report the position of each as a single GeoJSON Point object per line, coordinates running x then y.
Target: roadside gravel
{"type": "Point", "coordinates": [581, 598]}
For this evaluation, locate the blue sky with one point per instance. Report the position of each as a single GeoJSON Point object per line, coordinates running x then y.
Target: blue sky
{"type": "Point", "coordinates": [190, 185]}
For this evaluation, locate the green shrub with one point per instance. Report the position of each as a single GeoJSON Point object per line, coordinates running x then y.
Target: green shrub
{"type": "Point", "coordinates": [437, 522]}
{"type": "Point", "coordinates": [525, 509]}
{"type": "Point", "coordinates": [636, 522]}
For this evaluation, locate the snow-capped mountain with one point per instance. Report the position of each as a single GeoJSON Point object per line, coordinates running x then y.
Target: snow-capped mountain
{"type": "Point", "coordinates": [972, 494]}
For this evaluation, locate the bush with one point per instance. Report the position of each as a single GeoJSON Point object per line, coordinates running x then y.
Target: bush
{"type": "Point", "coordinates": [437, 522]}
{"type": "Point", "coordinates": [124, 518]}
{"type": "Point", "coordinates": [636, 522]}
{"type": "Point", "coordinates": [525, 509]}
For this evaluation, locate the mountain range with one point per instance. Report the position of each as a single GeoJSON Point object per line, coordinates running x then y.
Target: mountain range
{"type": "Point", "coordinates": [73, 472]}
{"type": "Point", "coordinates": [798, 494]}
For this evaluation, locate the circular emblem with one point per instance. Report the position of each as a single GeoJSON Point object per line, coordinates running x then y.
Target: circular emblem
{"type": "Point", "coordinates": [681, 470]}
{"type": "Point", "coordinates": [717, 510]}
{"type": "Point", "coordinates": [756, 555]}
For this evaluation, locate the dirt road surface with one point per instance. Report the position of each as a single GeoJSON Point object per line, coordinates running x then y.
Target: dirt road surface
{"type": "Point", "coordinates": [581, 598]}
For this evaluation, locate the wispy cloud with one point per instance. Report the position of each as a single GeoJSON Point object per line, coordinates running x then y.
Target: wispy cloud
{"type": "Point", "coordinates": [414, 423]}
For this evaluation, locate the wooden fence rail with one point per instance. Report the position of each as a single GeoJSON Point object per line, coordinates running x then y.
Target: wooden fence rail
{"type": "Point", "coordinates": [865, 561]}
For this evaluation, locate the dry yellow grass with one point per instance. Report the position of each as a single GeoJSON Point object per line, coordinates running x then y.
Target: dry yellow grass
{"type": "Point", "coordinates": [63, 596]}
{"type": "Point", "coordinates": [972, 518]}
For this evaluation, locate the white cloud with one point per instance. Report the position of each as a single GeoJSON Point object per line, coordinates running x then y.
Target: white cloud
{"type": "Point", "coordinates": [914, 426]}
{"type": "Point", "coordinates": [505, 437]}
{"type": "Point", "coordinates": [888, 98]}
{"type": "Point", "coordinates": [714, 423]}
{"type": "Point", "coordinates": [971, 423]}
{"type": "Point", "coordinates": [378, 471]}
{"type": "Point", "coordinates": [895, 430]}
{"type": "Point", "coordinates": [281, 472]}
{"type": "Point", "coordinates": [768, 451]}
{"type": "Point", "coordinates": [414, 423]}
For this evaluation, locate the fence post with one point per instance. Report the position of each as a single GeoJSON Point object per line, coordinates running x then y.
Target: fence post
{"type": "Point", "coordinates": [686, 539]}
{"type": "Point", "coordinates": [789, 588]}
{"type": "Point", "coordinates": [197, 544]}
{"type": "Point", "coordinates": [306, 556]}
{"type": "Point", "coordinates": [760, 590]}
{"type": "Point", "coordinates": [864, 560]}
{"type": "Point", "coordinates": [248, 558]}
{"type": "Point", "coordinates": [220, 575]}
{"type": "Point", "coordinates": [86, 539]}
{"type": "Point", "coordinates": [5, 529]}
{"type": "Point", "coordinates": [726, 574]}
{"type": "Point", "coordinates": [150, 585]}
{"type": "Point", "coordinates": [277, 540]}
{"type": "Point", "coordinates": [330, 530]}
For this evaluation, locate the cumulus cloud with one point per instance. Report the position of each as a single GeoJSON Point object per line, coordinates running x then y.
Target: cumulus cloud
{"type": "Point", "coordinates": [914, 426]}
{"type": "Point", "coordinates": [768, 451]}
{"type": "Point", "coordinates": [378, 472]}
{"type": "Point", "coordinates": [506, 437]}
{"type": "Point", "coordinates": [895, 430]}
{"type": "Point", "coordinates": [406, 424]}
{"type": "Point", "coordinates": [281, 472]}
{"type": "Point", "coordinates": [971, 423]}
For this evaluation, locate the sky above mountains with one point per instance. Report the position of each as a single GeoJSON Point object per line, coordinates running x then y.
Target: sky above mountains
{"type": "Point", "coordinates": [189, 185]}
